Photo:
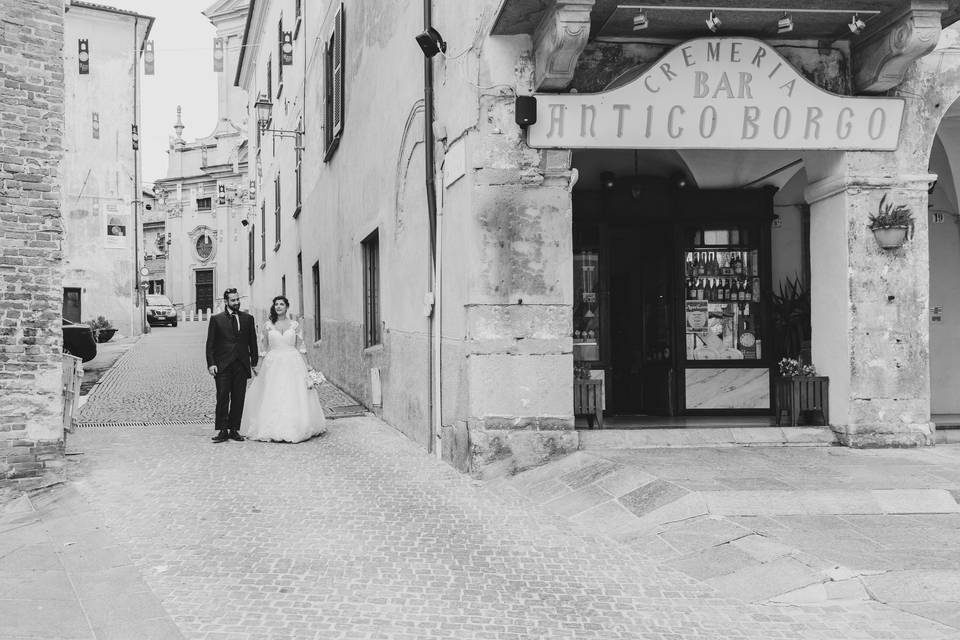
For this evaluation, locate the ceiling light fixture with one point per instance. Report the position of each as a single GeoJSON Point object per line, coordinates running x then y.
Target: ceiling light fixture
{"type": "Point", "coordinates": [856, 25]}
{"type": "Point", "coordinates": [785, 24]}
{"type": "Point", "coordinates": [640, 21]}
{"type": "Point", "coordinates": [713, 22]}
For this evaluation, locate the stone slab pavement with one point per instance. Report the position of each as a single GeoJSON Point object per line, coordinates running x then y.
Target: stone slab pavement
{"type": "Point", "coordinates": [780, 525]}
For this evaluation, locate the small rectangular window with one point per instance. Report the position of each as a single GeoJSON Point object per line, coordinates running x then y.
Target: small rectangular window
{"type": "Point", "coordinates": [204, 204]}
{"type": "Point", "coordinates": [316, 299]}
{"type": "Point", "coordinates": [283, 286]}
{"type": "Point", "coordinates": [251, 253]}
{"type": "Point", "coordinates": [371, 289]}
{"type": "Point", "coordinates": [263, 234]}
{"type": "Point", "coordinates": [276, 213]}
{"type": "Point", "coordinates": [300, 283]}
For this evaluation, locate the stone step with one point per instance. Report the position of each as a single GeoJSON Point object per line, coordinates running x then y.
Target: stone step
{"type": "Point", "coordinates": [593, 439]}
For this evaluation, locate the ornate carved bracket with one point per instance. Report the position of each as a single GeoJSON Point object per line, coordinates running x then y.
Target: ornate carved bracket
{"type": "Point", "coordinates": [558, 41]}
{"type": "Point", "coordinates": [882, 57]}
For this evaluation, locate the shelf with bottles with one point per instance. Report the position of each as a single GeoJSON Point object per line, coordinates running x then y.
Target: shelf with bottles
{"type": "Point", "coordinates": [727, 263]}
{"type": "Point", "coordinates": [723, 288]}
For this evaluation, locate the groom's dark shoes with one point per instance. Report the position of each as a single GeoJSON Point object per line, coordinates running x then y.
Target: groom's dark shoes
{"type": "Point", "coordinates": [235, 435]}
{"type": "Point", "coordinates": [222, 436]}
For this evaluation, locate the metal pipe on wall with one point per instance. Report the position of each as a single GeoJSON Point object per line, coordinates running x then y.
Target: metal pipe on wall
{"type": "Point", "coordinates": [433, 325]}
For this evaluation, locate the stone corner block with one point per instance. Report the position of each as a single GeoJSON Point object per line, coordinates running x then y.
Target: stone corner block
{"type": "Point", "coordinates": [506, 452]}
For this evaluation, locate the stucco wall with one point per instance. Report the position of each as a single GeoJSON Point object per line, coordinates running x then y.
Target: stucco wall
{"type": "Point", "coordinates": [98, 177]}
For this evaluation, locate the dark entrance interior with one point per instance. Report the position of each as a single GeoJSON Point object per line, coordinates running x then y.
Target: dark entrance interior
{"type": "Point", "coordinates": [670, 287]}
{"type": "Point", "coordinates": [72, 310]}
{"type": "Point", "coordinates": [641, 300]}
{"type": "Point", "coordinates": [204, 289]}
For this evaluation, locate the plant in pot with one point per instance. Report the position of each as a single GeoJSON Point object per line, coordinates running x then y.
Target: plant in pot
{"type": "Point", "coordinates": [103, 330]}
{"type": "Point", "coordinates": [892, 224]}
{"type": "Point", "coordinates": [791, 316]}
{"type": "Point", "coordinates": [800, 393]}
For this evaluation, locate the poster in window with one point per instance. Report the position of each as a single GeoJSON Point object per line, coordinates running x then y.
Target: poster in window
{"type": "Point", "coordinates": [116, 230]}
{"type": "Point", "coordinates": [697, 316]}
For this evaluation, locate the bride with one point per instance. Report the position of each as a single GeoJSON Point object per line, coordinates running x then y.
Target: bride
{"type": "Point", "coordinates": [280, 406]}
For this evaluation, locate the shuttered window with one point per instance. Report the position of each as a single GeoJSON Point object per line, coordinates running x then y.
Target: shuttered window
{"type": "Point", "coordinates": [334, 84]}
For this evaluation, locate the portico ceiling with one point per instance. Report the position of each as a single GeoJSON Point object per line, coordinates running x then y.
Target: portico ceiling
{"type": "Point", "coordinates": [685, 19]}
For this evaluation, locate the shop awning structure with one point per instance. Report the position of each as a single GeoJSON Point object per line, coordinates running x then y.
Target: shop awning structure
{"type": "Point", "coordinates": [894, 33]}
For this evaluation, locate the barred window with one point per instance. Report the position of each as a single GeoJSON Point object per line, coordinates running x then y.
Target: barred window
{"type": "Point", "coordinates": [371, 289]}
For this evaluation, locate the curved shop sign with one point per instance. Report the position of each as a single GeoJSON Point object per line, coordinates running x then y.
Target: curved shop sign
{"type": "Point", "coordinates": [717, 93]}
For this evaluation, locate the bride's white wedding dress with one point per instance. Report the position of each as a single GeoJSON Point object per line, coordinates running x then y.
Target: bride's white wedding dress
{"type": "Point", "coordinates": [279, 406]}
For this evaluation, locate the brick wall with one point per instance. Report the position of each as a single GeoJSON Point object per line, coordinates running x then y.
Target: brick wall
{"type": "Point", "coordinates": [31, 148]}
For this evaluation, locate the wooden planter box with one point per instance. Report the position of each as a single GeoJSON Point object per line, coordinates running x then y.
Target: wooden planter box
{"type": "Point", "coordinates": [588, 401]}
{"type": "Point", "coordinates": [799, 395]}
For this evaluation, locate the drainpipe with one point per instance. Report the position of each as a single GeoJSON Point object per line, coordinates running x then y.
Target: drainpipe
{"type": "Point", "coordinates": [433, 293]}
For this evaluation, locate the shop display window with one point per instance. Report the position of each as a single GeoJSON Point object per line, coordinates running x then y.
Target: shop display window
{"type": "Point", "coordinates": [586, 306]}
{"type": "Point", "coordinates": [723, 302]}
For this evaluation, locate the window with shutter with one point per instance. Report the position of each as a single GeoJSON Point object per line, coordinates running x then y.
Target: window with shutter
{"type": "Point", "coordinates": [334, 85]}
{"type": "Point", "coordinates": [280, 56]}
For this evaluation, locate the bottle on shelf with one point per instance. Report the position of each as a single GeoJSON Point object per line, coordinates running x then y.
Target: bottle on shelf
{"type": "Point", "coordinates": [699, 291]}
{"type": "Point", "coordinates": [699, 264]}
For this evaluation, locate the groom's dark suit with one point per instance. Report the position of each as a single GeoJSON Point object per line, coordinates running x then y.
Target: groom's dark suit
{"type": "Point", "coordinates": [232, 347]}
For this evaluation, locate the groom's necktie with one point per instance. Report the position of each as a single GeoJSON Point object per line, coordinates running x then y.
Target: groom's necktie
{"type": "Point", "coordinates": [236, 323]}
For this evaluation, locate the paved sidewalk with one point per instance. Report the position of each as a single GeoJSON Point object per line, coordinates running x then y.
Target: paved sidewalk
{"type": "Point", "coordinates": [63, 576]}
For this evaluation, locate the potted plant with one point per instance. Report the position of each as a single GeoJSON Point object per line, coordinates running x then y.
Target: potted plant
{"type": "Point", "coordinates": [791, 316]}
{"type": "Point", "coordinates": [892, 224]}
{"type": "Point", "coordinates": [800, 391]}
{"type": "Point", "coordinates": [103, 330]}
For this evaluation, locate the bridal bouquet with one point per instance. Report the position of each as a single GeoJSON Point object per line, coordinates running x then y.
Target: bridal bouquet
{"type": "Point", "coordinates": [314, 379]}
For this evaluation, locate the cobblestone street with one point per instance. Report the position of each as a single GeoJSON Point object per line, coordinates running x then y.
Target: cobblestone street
{"type": "Point", "coordinates": [360, 534]}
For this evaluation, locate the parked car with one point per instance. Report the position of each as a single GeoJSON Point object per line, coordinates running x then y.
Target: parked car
{"type": "Point", "coordinates": [160, 311]}
{"type": "Point", "coordinates": [78, 340]}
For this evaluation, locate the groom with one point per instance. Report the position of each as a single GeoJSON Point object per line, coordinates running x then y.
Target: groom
{"type": "Point", "coordinates": [231, 357]}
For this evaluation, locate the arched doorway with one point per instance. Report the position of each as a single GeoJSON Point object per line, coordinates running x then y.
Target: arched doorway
{"type": "Point", "coordinates": [944, 223]}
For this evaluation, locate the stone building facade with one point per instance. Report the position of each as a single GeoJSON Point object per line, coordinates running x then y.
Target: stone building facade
{"type": "Point", "coordinates": [205, 197]}
{"type": "Point", "coordinates": [101, 177]}
{"type": "Point", "coordinates": [32, 108]}
{"type": "Point", "coordinates": [585, 159]}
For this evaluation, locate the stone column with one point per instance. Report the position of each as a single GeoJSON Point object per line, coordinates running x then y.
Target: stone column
{"type": "Point", "coordinates": [518, 314]}
{"type": "Point", "coordinates": [869, 307]}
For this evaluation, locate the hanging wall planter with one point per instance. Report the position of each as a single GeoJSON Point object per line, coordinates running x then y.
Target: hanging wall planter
{"type": "Point", "coordinates": [892, 225]}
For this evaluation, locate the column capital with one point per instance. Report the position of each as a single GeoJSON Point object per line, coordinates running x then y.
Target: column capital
{"type": "Point", "coordinates": [558, 41]}
{"type": "Point", "coordinates": [834, 185]}
{"type": "Point", "coordinates": [882, 56]}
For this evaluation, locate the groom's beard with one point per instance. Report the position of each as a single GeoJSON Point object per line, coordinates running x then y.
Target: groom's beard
{"type": "Point", "coordinates": [234, 307]}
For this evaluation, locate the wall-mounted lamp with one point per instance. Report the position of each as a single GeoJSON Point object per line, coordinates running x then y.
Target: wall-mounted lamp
{"type": "Point", "coordinates": [640, 21]}
{"type": "Point", "coordinates": [525, 111]}
{"type": "Point", "coordinates": [431, 42]}
{"type": "Point", "coordinates": [785, 24]}
{"type": "Point", "coordinates": [856, 25]}
{"type": "Point", "coordinates": [264, 109]}
{"type": "Point", "coordinates": [713, 22]}
{"type": "Point", "coordinates": [607, 180]}
{"type": "Point", "coordinates": [244, 222]}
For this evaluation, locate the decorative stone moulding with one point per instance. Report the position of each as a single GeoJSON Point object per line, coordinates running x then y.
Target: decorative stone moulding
{"type": "Point", "coordinates": [883, 54]}
{"type": "Point", "coordinates": [558, 41]}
